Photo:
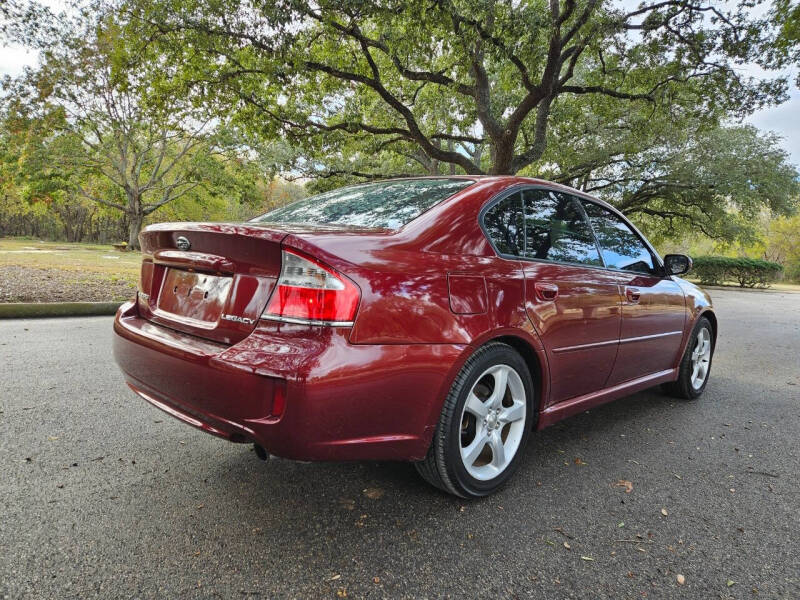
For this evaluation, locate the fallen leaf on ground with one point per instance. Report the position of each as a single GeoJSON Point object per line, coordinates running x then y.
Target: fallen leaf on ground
{"type": "Point", "coordinates": [562, 532]}
{"type": "Point", "coordinates": [374, 493]}
{"type": "Point", "coordinates": [567, 546]}
{"type": "Point", "coordinates": [730, 583]}
{"type": "Point", "coordinates": [376, 580]}
{"type": "Point", "coordinates": [681, 579]}
{"type": "Point", "coordinates": [664, 512]}
{"type": "Point", "coordinates": [335, 577]}
{"type": "Point", "coordinates": [624, 483]}
{"type": "Point", "coordinates": [342, 593]}
{"type": "Point", "coordinates": [580, 462]}
{"type": "Point", "coordinates": [586, 558]}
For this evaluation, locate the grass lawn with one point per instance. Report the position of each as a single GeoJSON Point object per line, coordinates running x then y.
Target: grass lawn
{"type": "Point", "coordinates": [783, 286]}
{"type": "Point", "coordinates": [37, 271]}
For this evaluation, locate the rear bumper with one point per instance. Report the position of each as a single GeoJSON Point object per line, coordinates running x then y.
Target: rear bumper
{"type": "Point", "coordinates": [343, 401]}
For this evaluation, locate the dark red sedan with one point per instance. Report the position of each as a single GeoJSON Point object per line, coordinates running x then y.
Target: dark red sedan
{"type": "Point", "coordinates": [435, 320]}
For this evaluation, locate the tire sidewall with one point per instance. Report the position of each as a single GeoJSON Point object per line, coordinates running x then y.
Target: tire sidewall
{"type": "Point", "coordinates": [471, 486]}
{"type": "Point", "coordinates": [686, 365]}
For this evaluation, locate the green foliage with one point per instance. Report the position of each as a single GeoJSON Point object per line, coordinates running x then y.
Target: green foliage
{"type": "Point", "coordinates": [783, 244]}
{"type": "Point", "coordinates": [95, 129]}
{"type": "Point", "coordinates": [47, 178]}
{"type": "Point", "coordinates": [360, 87]}
{"type": "Point", "coordinates": [785, 51]}
{"type": "Point", "coordinates": [696, 177]}
{"type": "Point", "coordinates": [748, 272]}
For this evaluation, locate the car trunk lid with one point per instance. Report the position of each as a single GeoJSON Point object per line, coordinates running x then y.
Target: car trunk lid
{"type": "Point", "coordinates": [211, 280]}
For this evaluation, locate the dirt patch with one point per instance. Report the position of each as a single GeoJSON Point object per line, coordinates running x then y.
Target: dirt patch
{"type": "Point", "coordinates": [33, 284]}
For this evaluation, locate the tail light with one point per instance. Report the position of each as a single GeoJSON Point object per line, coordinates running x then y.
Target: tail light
{"type": "Point", "coordinates": [309, 292]}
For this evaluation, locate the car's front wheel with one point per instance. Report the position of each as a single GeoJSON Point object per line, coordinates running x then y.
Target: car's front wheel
{"type": "Point", "coordinates": [695, 366]}
{"type": "Point", "coordinates": [484, 425]}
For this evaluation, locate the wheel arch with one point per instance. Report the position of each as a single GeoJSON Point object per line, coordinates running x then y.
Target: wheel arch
{"type": "Point", "coordinates": [535, 367]}
{"type": "Point", "coordinates": [532, 353]}
{"type": "Point", "coordinates": [712, 318]}
{"type": "Point", "coordinates": [709, 314]}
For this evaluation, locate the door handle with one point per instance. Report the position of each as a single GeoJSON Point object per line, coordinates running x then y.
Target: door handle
{"type": "Point", "coordinates": [546, 291]}
{"type": "Point", "coordinates": [632, 294]}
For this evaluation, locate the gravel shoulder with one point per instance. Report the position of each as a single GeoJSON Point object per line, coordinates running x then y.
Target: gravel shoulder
{"type": "Point", "coordinates": [36, 271]}
{"type": "Point", "coordinates": [34, 284]}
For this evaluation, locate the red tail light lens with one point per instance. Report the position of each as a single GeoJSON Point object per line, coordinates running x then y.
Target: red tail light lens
{"type": "Point", "coordinates": [309, 292]}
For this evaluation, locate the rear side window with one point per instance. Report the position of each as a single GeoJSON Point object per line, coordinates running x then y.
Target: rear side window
{"type": "Point", "coordinates": [388, 204]}
{"type": "Point", "coordinates": [621, 247]}
{"type": "Point", "coordinates": [503, 223]}
{"type": "Point", "coordinates": [555, 229]}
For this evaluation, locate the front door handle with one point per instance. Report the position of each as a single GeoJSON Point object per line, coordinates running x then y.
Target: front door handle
{"type": "Point", "coordinates": [632, 294]}
{"type": "Point", "coordinates": [546, 291]}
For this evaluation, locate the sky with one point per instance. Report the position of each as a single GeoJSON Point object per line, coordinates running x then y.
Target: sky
{"type": "Point", "coordinates": [783, 119]}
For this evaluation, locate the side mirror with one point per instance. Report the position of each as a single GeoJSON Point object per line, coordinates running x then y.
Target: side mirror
{"type": "Point", "coordinates": [677, 264]}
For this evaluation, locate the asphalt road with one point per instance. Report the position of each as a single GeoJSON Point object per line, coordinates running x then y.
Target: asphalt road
{"type": "Point", "coordinates": [103, 496]}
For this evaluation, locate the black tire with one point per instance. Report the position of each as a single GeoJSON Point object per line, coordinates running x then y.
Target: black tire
{"type": "Point", "coordinates": [443, 466]}
{"type": "Point", "coordinates": [683, 387]}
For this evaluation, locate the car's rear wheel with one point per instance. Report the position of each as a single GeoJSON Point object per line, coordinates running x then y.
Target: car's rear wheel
{"type": "Point", "coordinates": [695, 366]}
{"type": "Point", "coordinates": [484, 425]}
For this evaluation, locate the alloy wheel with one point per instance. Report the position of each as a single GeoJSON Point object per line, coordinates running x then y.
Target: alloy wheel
{"type": "Point", "coordinates": [493, 422]}
{"type": "Point", "coordinates": [701, 358]}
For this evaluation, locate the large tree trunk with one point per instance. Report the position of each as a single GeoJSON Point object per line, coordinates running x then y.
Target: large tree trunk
{"type": "Point", "coordinates": [134, 227]}
{"type": "Point", "coordinates": [502, 157]}
{"type": "Point", "coordinates": [135, 215]}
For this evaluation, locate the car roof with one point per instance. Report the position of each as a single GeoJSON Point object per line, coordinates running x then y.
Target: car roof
{"type": "Point", "coordinates": [513, 180]}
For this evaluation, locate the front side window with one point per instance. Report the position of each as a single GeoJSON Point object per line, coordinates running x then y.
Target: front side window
{"type": "Point", "coordinates": [621, 247]}
{"type": "Point", "coordinates": [503, 223]}
{"type": "Point", "coordinates": [555, 229]}
{"type": "Point", "coordinates": [388, 204]}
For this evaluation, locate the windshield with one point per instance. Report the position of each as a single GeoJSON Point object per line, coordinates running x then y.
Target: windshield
{"type": "Point", "coordinates": [389, 204]}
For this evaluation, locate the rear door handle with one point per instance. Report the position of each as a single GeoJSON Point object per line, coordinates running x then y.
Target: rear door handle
{"type": "Point", "coordinates": [546, 291]}
{"type": "Point", "coordinates": [632, 294]}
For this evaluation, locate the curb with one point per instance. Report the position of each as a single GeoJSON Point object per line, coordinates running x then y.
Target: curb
{"type": "Point", "coordinates": [32, 310]}
{"type": "Point", "coordinates": [736, 288]}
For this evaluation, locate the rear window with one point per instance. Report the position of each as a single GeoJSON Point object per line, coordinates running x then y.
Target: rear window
{"type": "Point", "coordinates": [389, 204]}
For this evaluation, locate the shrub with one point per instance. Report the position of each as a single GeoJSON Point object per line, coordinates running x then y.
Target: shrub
{"type": "Point", "coordinates": [747, 272]}
{"type": "Point", "coordinates": [710, 270]}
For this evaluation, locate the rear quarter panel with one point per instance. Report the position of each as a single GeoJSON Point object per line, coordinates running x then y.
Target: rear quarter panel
{"type": "Point", "coordinates": [406, 277]}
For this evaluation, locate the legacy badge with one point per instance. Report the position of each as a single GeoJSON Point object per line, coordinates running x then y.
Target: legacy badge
{"type": "Point", "coordinates": [238, 319]}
